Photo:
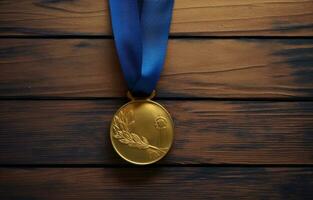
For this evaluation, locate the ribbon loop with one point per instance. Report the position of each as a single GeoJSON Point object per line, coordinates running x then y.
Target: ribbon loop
{"type": "Point", "coordinates": [141, 29]}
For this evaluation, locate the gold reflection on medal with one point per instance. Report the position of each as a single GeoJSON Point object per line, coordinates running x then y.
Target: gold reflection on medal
{"type": "Point", "coordinates": [142, 131]}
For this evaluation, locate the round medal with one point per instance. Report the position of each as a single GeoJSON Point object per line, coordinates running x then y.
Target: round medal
{"type": "Point", "coordinates": [142, 131]}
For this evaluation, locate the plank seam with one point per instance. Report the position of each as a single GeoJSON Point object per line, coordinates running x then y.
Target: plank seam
{"type": "Point", "coordinates": [155, 166]}
{"type": "Point", "coordinates": [170, 37]}
{"type": "Point", "coordinates": [218, 99]}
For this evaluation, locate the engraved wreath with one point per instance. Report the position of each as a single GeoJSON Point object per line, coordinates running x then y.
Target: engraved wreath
{"type": "Point", "coordinates": [122, 132]}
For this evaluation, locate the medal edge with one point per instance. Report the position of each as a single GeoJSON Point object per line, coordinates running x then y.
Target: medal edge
{"type": "Point", "coordinates": [170, 117]}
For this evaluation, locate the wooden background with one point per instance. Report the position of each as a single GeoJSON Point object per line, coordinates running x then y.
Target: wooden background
{"type": "Point", "coordinates": [238, 81]}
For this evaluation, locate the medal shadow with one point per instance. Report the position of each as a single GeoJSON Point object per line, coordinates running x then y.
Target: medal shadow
{"type": "Point", "coordinates": [130, 175]}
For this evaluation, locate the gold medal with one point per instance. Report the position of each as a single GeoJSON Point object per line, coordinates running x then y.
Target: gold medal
{"type": "Point", "coordinates": [142, 131]}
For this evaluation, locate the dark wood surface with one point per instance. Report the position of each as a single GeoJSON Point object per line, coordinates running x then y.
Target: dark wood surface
{"type": "Point", "coordinates": [206, 132]}
{"type": "Point", "coordinates": [238, 80]}
{"type": "Point", "coordinates": [232, 68]}
{"type": "Point", "coordinates": [196, 17]}
{"type": "Point", "coordinates": [157, 183]}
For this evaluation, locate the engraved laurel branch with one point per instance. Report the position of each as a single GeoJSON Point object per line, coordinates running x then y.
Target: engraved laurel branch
{"type": "Point", "coordinates": [122, 132]}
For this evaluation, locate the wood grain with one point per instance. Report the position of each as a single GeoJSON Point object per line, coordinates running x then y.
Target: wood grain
{"type": "Point", "coordinates": [240, 68]}
{"type": "Point", "coordinates": [206, 132]}
{"type": "Point", "coordinates": [157, 183]}
{"type": "Point", "coordinates": [197, 17]}
{"type": "Point", "coordinates": [54, 140]}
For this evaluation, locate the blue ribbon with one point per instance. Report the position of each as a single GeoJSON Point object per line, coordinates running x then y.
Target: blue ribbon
{"type": "Point", "coordinates": [141, 29]}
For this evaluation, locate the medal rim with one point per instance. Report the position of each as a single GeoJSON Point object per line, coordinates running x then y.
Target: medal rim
{"type": "Point", "coordinates": [172, 123]}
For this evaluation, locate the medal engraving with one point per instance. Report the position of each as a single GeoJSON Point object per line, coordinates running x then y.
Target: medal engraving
{"type": "Point", "coordinates": [142, 132]}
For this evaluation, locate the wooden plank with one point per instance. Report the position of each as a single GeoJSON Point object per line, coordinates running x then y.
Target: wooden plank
{"type": "Point", "coordinates": [237, 68]}
{"type": "Point", "coordinates": [197, 17]}
{"type": "Point", "coordinates": [207, 132]}
{"type": "Point", "coordinates": [157, 183]}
